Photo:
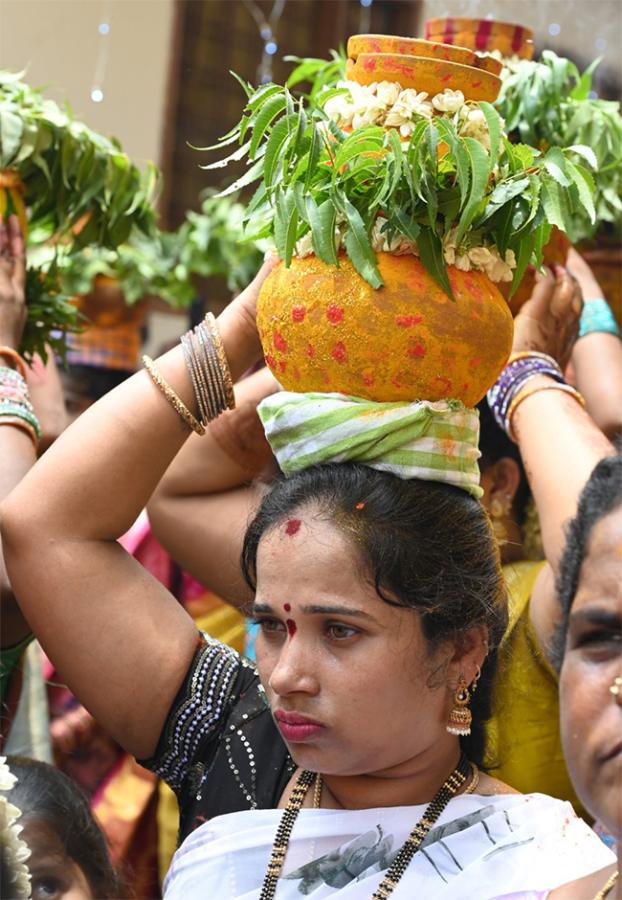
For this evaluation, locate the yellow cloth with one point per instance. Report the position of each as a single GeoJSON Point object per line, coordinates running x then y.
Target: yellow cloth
{"type": "Point", "coordinates": [221, 621]}
{"type": "Point", "coordinates": [524, 744]}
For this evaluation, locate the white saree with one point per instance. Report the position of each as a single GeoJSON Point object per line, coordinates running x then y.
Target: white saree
{"type": "Point", "coordinates": [481, 848]}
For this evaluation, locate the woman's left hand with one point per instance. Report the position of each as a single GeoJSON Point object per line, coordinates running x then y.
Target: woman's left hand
{"type": "Point", "coordinates": [549, 321]}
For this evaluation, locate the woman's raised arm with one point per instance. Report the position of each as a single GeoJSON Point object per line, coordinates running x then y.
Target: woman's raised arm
{"type": "Point", "coordinates": [113, 631]}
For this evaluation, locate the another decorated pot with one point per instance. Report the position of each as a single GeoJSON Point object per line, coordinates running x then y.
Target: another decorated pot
{"type": "Point", "coordinates": [326, 329]}
{"type": "Point", "coordinates": [484, 35]}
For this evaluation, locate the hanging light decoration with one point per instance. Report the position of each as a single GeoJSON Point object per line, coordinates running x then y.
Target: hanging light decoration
{"type": "Point", "coordinates": [267, 30]}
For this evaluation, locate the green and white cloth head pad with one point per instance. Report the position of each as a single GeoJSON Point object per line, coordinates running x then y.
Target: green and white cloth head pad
{"type": "Point", "coordinates": [433, 441]}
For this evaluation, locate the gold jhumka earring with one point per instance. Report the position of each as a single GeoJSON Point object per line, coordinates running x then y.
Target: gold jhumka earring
{"type": "Point", "coordinates": [460, 718]}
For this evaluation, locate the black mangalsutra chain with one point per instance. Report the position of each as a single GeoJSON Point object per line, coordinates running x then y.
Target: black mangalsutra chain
{"type": "Point", "coordinates": [404, 855]}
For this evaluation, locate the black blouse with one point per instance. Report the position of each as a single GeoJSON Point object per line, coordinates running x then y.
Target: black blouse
{"type": "Point", "coordinates": [220, 750]}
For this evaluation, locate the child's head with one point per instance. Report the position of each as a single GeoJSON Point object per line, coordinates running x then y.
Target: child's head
{"type": "Point", "coordinates": [69, 857]}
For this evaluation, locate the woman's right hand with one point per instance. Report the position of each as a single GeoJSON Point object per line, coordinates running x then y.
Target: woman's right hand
{"type": "Point", "coordinates": [549, 321]}
{"type": "Point", "coordinates": [12, 282]}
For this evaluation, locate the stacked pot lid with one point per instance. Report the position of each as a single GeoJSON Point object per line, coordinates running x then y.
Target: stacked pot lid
{"type": "Point", "coordinates": [423, 65]}
{"type": "Point", "coordinates": [483, 35]}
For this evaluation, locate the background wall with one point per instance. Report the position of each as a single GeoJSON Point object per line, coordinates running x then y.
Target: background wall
{"type": "Point", "coordinates": [58, 42]}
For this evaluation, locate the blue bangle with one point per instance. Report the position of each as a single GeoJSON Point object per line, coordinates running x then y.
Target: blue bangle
{"type": "Point", "coordinates": [597, 317]}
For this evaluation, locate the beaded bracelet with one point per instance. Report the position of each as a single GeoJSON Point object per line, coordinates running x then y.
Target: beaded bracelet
{"type": "Point", "coordinates": [529, 392]}
{"type": "Point", "coordinates": [597, 316]}
{"type": "Point", "coordinates": [176, 402]}
{"type": "Point", "coordinates": [522, 367]}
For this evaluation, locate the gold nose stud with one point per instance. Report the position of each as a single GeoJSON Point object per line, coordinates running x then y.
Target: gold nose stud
{"type": "Point", "coordinates": [616, 687]}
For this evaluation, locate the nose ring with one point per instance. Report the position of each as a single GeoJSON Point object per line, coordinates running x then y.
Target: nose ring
{"type": "Point", "coordinates": [616, 687]}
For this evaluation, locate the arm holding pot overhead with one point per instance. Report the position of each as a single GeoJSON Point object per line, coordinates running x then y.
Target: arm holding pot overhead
{"type": "Point", "coordinates": [117, 638]}
{"type": "Point", "coordinates": [597, 354]}
{"type": "Point", "coordinates": [209, 493]}
{"type": "Point", "coordinates": [560, 444]}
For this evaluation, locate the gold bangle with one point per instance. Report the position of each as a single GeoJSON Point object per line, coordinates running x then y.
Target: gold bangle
{"type": "Point", "coordinates": [528, 392]}
{"type": "Point", "coordinates": [16, 422]}
{"type": "Point", "coordinates": [222, 358]}
{"type": "Point", "coordinates": [531, 354]}
{"type": "Point", "coordinates": [180, 408]}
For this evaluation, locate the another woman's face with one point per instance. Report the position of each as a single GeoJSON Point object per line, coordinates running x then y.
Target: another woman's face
{"type": "Point", "coordinates": [591, 713]}
{"type": "Point", "coordinates": [347, 675]}
{"type": "Point", "coordinates": [54, 875]}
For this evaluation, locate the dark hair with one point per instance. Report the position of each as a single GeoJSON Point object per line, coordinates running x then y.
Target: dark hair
{"type": "Point", "coordinates": [429, 545]}
{"type": "Point", "coordinates": [494, 444]}
{"type": "Point", "coordinates": [46, 793]}
{"type": "Point", "coordinates": [95, 381]}
{"type": "Point", "coordinates": [600, 496]}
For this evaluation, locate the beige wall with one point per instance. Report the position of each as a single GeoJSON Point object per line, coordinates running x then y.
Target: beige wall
{"type": "Point", "coordinates": [58, 42]}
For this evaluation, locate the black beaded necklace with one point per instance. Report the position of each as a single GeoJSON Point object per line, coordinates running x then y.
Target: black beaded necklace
{"type": "Point", "coordinates": [404, 855]}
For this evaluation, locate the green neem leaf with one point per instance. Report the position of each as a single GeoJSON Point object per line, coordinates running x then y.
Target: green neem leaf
{"type": "Point", "coordinates": [315, 148]}
{"type": "Point", "coordinates": [586, 152]}
{"type": "Point", "coordinates": [554, 203]}
{"type": "Point", "coordinates": [246, 87]}
{"type": "Point", "coordinates": [584, 85]}
{"type": "Point", "coordinates": [479, 162]}
{"type": "Point", "coordinates": [405, 224]}
{"type": "Point", "coordinates": [357, 243]}
{"type": "Point", "coordinates": [322, 219]}
{"type": "Point", "coordinates": [431, 255]}
{"type": "Point", "coordinates": [274, 147]}
{"type": "Point", "coordinates": [262, 94]}
{"type": "Point", "coordinates": [369, 140]}
{"type": "Point", "coordinates": [523, 258]}
{"type": "Point", "coordinates": [251, 175]}
{"type": "Point", "coordinates": [555, 165]}
{"type": "Point", "coordinates": [585, 187]}
{"type": "Point", "coordinates": [240, 153]}
{"type": "Point", "coordinates": [494, 130]}
{"type": "Point", "coordinates": [11, 129]}
{"type": "Point", "coordinates": [502, 194]}
{"type": "Point", "coordinates": [272, 108]}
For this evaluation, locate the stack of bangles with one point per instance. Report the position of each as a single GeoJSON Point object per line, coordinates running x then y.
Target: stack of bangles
{"type": "Point", "coordinates": [15, 406]}
{"type": "Point", "coordinates": [209, 374]}
{"type": "Point", "coordinates": [512, 386]}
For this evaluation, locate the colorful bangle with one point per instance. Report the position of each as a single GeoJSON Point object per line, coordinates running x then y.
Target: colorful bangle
{"type": "Point", "coordinates": [536, 389]}
{"type": "Point", "coordinates": [10, 353]}
{"type": "Point", "coordinates": [18, 422]}
{"type": "Point", "coordinates": [176, 402]}
{"type": "Point", "coordinates": [522, 367]}
{"type": "Point", "coordinates": [597, 317]}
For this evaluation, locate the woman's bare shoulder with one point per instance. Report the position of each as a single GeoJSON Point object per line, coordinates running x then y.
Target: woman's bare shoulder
{"type": "Point", "coordinates": [489, 786]}
{"type": "Point", "coordinates": [589, 886]}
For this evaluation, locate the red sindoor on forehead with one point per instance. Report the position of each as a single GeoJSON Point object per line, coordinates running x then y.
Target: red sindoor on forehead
{"type": "Point", "coordinates": [287, 607]}
{"type": "Point", "coordinates": [292, 527]}
{"type": "Point", "coordinates": [291, 627]}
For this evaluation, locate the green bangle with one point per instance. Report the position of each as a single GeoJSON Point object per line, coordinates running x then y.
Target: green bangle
{"type": "Point", "coordinates": [597, 316]}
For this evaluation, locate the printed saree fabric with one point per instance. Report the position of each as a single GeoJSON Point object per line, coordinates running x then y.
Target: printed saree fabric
{"type": "Point", "coordinates": [482, 848]}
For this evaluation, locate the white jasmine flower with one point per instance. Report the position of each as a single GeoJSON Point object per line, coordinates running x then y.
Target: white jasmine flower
{"type": "Point", "coordinates": [16, 852]}
{"type": "Point", "coordinates": [475, 126]}
{"type": "Point", "coordinates": [304, 246]}
{"type": "Point", "coordinates": [7, 778]}
{"type": "Point", "coordinates": [387, 93]}
{"type": "Point", "coordinates": [448, 101]}
{"type": "Point", "coordinates": [409, 107]}
{"type": "Point", "coordinates": [399, 245]}
{"type": "Point", "coordinates": [463, 262]}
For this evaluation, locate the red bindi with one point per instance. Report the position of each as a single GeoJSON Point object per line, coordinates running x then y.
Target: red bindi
{"type": "Point", "coordinates": [291, 627]}
{"type": "Point", "coordinates": [292, 527]}
{"type": "Point", "coordinates": [287, 607]}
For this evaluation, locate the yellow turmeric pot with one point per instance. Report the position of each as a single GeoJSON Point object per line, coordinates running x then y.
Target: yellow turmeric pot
{"type": "Point", "coordinates": [326, 329]}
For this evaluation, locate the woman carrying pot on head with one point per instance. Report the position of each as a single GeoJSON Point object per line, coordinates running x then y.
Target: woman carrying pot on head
{"type": "Point", "coordinates": [208, 495]}
{"type": "Point", "coordinates": [349, 762]}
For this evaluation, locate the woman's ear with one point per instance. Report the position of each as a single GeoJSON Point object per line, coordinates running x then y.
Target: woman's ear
{"type": "Point", "coordinates": [502, 481]}
{"type": "Point", "coordinates": [471, 649]}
